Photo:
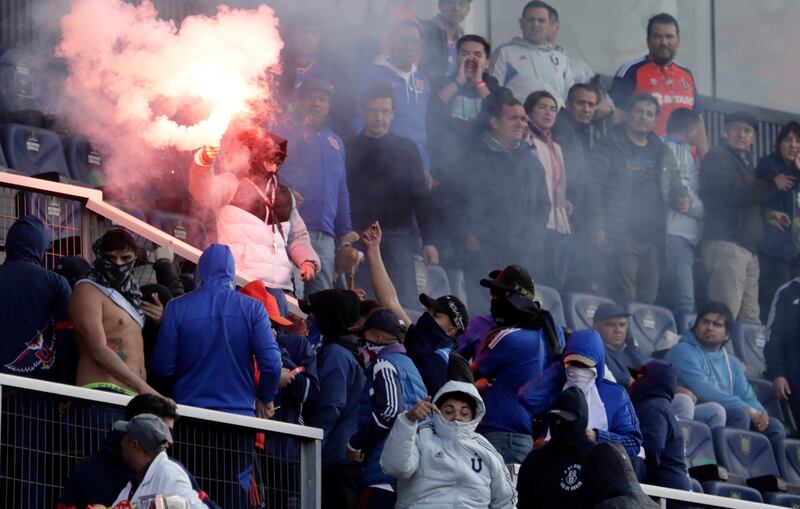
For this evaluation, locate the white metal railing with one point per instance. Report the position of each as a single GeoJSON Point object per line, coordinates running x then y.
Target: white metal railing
{"type": "Point", "coordinates": [691, 497]}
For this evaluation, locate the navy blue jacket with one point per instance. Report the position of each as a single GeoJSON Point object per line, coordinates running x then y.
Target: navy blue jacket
{"type": "Point", "coordinates": [34, 309]}
{"type": "Point", "coordinates": [663, 440]}
{"type": "Point", "coordinates": [208, 338]}
{"type": "Point", "coordinates": [304, 389]}
{"type": "Point", "coordinates": [783, 335]}
{"type": "Point", "coordinates": [539, 393]}
{"type": "Point", "coordinates": [778, 243]}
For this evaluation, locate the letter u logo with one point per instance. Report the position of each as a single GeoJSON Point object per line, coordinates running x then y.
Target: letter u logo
{"type": "Point", "coordinates": [477, 466]}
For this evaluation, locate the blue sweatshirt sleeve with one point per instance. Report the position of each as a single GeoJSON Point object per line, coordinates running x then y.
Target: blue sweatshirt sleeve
{"type": "Point", "coordinates": [343, 223]}
{"type": "Point", "coordinates": [335, 370]}
{"type": "Point", "coordinates": [165, 353]}
{"type": "Point", "coordinates": [689, 365]}
{"type": "Point", "coordinates": [305, 386]}
{"type": "Point", "coordinates": [267, 355]}
{"type": "Point", "coordinates": [742, 388]}
{"type": "Point", "coordinates": [538, 394]}
{"type": "Point", "coordinates": [623, 426]}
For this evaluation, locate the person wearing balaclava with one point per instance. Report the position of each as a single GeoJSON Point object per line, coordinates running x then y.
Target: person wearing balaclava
{"type": "Point", "coordinates": [341, 389]}
{"type": "Point", "coordinates": [108, 314]}
{"type": "Point", "coordinates": [610, 481]}
{"type": "Point", "coordinates": [611, 414]}
{"type": "Point", "coordinates": [525, 340]}
{"type": "Point", "coordinates": [551, 477]}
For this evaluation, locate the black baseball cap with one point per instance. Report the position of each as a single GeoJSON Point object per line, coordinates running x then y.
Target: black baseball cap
{"type": "Point", "coordinates": [73, 268]}
{"type": "Point", "coordinates": [513, 278]}
{"type": "Point", "coordinates": [384, 320]}
{"type": "Point", "coordinates": [449, 305]}
{"type": "Point", "coordinates": [609, 310]}
{"type": "Point", "coordinates": [743, 117]}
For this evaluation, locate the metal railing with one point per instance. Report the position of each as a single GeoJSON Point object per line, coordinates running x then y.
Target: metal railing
{"type": "Point", "coordinates": [664, 494]}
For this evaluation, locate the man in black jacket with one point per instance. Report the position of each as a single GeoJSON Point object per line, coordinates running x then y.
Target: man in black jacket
{"type": "Point", "coordinates": [783, 345]}
{"type": "Point", "coordinates": [733, 224]}
{"type": "Point", "coordinates": [550, 477]}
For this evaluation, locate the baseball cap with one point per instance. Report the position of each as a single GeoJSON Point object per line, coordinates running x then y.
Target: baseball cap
{"type": "Point", "coordinates": [743, 117]}
{"type": "Point", "coordinates": [384, 320]}
{"type": "Point", "coordinates": [73, 268]}
{"type": "Point", "coordinates": [451, 306]}
{"type": "Point", "coordinates": [147, 429]}
{"type": "Point", "coordinates": [312, 84]}
{"type": "Point", "coordinates": [513, 278]}
{"type": "Point", "coordinates": [580, 358]}
{"type": "Point", "coordinates": [609, 310]}
{"type": "Point", "coordinates": [257, 290]}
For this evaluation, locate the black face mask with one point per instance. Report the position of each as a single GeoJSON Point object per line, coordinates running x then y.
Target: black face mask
{"type": "Point", "coordinates": [503, 312]}
{"type": "Point", "coordinates": [119, 277]}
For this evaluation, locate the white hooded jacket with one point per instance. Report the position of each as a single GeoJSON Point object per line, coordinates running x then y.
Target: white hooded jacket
{"type": "Point", "coordinates": [441, 464]}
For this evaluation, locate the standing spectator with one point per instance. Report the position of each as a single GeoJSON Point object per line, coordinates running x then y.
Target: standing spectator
{"type": "Point", "coordinates": [387, 184]}
{"type": "Point", "coordinates": [444, 461]}
{"type": "Point", "coordinates": [439, 37]}
{"type": "Point", "coordinates": [34, 341]}
{"type": "Point", "coordinates": [639, 180]}
{"type": "Point", "coordinates": [505, 205]}
{"type": "Point", "coordinates": [524, 342]}
{"type": "Point", "coordinates": [551, 477]}
{"type": "Point", "coordinates": [683, 228]}
{"type": "Point", "coordinates": [783, 345]}
{"type": "Point", "coordinates": [611, 414]}
{"type": "Point", "coordinates": [208, 339]}
{"type": "Point", "coordinates": [411, 87]}
{"type": "Point", "coordinates": [778, 258]}
{"type": "Point", "coordinates": [652, 395]}
{"type": "Point", "coordinates": [530, 63]}
{"type": "Point", "coordinates": [611, 481]}
{"type": "Point", "coordinates": [657, 74]}
{"type": "Point", "coordinates": [542, 109]}
{"type": "Point", "coordinates": [733, 227]}
{"type": "Point", "coordinates": [335, 311]}
{"type": "Point", "coordinates": [315, 172]}
{"type": "Point", "coordinates": [705, 368]}
{"type": "Point", "coordinates": [393, 386]}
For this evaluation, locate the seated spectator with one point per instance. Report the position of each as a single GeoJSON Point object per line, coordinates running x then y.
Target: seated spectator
{"type": "Point", "coordinates": [705, 368]}
{"type": "Point", "coordinates": [393, 385]}
{"type": "Point", "coordinates": [652, 395]}
{"type": "Point", "coordinates": [315, 172]}
{"type": "Point", "coordinates": [733, 197]}
{"type": "Point", "coordinates": [683, 227]}
{"type": "Point", "coordinates": [387, 184]}
{"type": "Point", "coordinates": [430, 341]}
{"type": "Point", "coordinates": [530, 63]}
{"type": "Point", "coordinates": [779, 257]}
{"type": "Point", "coordinates": [99, 477]}
{"type": "Point", "coordinates": [611, 481]}
{"type": "Point", "coordinates": [783, 346]}
{"type": "Point", "coordinates": [551, 477]}
{"type": "Point", "coordinates": [256, 215]}
{"type": "Point", "coordinates": [639, 182]}
{"type": "Point", "coordinates": [624, 356]}
{"type": "Point", "coordinates": [337, 411]}
{"type": "Point", "coordinates": [33, 341]}
{"type": "Point", "coordinates": [208, 339]}
{"type": "Point", "coordinates": [611, 414]}
{"type": "Point", "coordinates": [541, 109]}
{"type": "Point", "coordinates": [144, 449]}
{"type": "Point", "coordinates": [444, 461]}
{"type": "Point", "coordinates": [525, 341]}
{"type": "Point", "coordinates": [440, 35]}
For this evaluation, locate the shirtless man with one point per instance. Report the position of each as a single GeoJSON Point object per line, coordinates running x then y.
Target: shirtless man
{"type": "Point", "coordinates": [108, 315]}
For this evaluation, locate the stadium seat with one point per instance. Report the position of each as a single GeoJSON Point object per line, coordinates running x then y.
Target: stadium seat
{"type": "Point", "coordinates": [436, 281]}
{"type": "Point", "coordinates": [698, 444]}
{"type": "Point", "coordinates": [579, 309]}
{"type": "Point", "coordinates": [685, 322]}
{"type": "Point", "coordinates": [23, 81]}
{"type": "Point", "coordinates": [85, 163]}
{"type": "Point", "coordinates": [728, 490]}
{"type": "Point", "coordinates": [792, 463]}
{"type": "Point", "coordinates": [551, 301]}
{"type": "Point", "coordinates": [748, 341]}
{"type": "Point", "coordinates": [766, 396]}
{"type": "Point", "coordinates": [782, 499]}
{"type": "Point", "coordinates": [648, 325]}
{"type": "Point", "coordinates": [745, 454]}
{"type": "Point", "coordinates": [32, 150]}
{"type": "Point", "coordinates": [185, 228]}
{"type": "Point", "coordinates": [696, 486]}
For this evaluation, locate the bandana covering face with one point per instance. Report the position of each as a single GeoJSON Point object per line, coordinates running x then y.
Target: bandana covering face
{"type": "Point", "coordinates": [119, 277]}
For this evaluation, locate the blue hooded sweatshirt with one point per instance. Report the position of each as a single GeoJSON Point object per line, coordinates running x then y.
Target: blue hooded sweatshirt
{"type": "Point", "coordinates": [539, 393]}
{"type": "Point", "coordinates": [209, 337]}
{"type": "Point", "coordinates": [35, 340]}
{"type": "Point", "coordinates": [711, 376]}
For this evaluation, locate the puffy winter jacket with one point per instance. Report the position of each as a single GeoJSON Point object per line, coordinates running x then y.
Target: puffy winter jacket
{"type": "Point", "coordinates": [523, 67]}
{"type": "Point", "coordinates": [446, 464]}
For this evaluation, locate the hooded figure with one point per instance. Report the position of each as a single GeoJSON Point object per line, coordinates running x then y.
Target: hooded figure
{"type": "Point", "coordinates": [611, 414]}
{"type": "Point", "coordinates": [652, 397]}
{"type": "Point", "coordinates": [551, 477]}
{"type": "Point", "coordinates": [35, 340]}
{"type": "Point", "coordinates": [611, 482]}
{"type": "Point", "coordinates": [208, 338]}
{"type": "Point", "coordinates": [446, 463]}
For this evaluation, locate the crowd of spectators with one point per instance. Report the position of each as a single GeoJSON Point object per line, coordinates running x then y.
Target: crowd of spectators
{"type": "Point", "coordinates": [487, 163]}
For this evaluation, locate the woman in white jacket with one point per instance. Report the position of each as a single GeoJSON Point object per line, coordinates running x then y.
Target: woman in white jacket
{"type": "Point", "coordinates": [444, 462]}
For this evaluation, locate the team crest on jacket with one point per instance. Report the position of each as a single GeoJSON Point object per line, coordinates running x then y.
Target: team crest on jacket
{"type": "Point", "coordinates": [38, 354]}
{"type": "Point", "coordinates": [477, 464]}
{"type": "Point", "coordinates": [333, 142]}
{"type": "Point", "coordinates": [570, 479]}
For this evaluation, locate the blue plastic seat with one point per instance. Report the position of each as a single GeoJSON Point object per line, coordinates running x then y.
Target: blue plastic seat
{"type": "Point", "coordinates": [782, 499]}
{"type": "Point", "coordinates": [23, 82]}
{"type": "Point", "coordinates": [550, 300]}
{"type": "Point", "coordinates": [32, 150]}
{"type": "Point", "coordinates": [648, 324]}
{"type": "Point", "coordinates": [185, 228]}
{"type": "Point", "coordinates": [579, 309]}
{"type": "Point", "coordinates": [735, 491]}
{"type": "Point", "coordinates": [746, 454]}
{"type": "Point", "coordinates": [84, 162]}
{"type": "Point", "coordinates": [766, 396]}
{"type": "Point", "coordinates": [792, 463]}
{"type": "Point", "coordinates": [685, 322]}
{"type": "Point", "coordinates": [698, 443]}
{"type": "Point", "coordinates": [748, 341]}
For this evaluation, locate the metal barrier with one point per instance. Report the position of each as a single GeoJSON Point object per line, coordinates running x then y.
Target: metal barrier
{"type": "Point", "coordinates": [664, 494]}
{"type": "Point", "coordinates": [46, 428]}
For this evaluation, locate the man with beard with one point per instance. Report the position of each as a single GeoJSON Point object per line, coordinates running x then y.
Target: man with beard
{"type": "Point", "coordinates": [550, 477]}
{"type": "Point", "coordinates": [108, 314]}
